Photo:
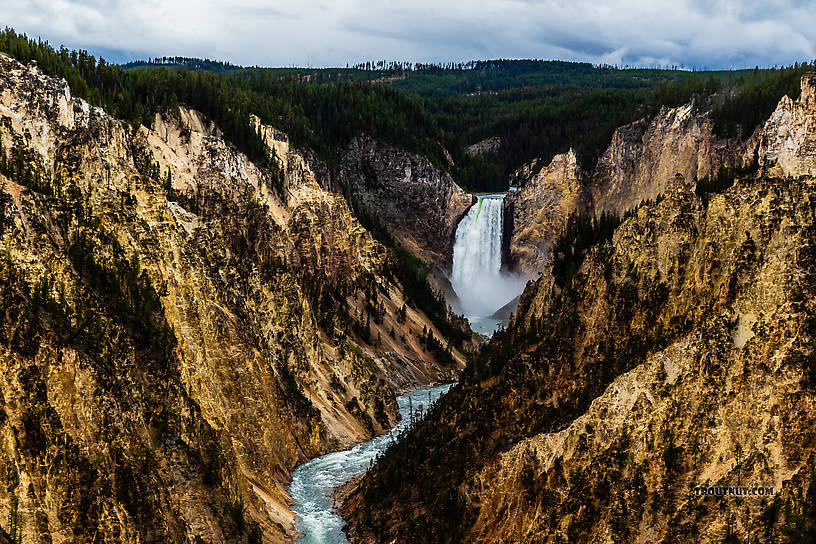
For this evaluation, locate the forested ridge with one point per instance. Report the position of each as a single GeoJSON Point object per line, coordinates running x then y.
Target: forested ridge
{"type": "Point", "coordinates": [536, 108]}
{"type": "Point", "coordinates": [540, 108]}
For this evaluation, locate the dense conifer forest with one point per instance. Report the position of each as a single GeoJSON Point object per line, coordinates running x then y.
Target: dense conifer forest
{"type": "Point", "coordinates": [536, 108]}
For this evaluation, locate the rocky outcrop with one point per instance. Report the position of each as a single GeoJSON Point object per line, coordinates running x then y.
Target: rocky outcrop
{"type": "Point", "coordinates": [788, 141]}
{"type": "Point", "coordinates": [644, 157]}
{"type": "Point", "coordinates": [420, 205]}
{"type": "Point", "coordinates": [720, 403]}
{"type": "Point", "coordinates": [687, 335]}
{"type": "Point", "coordinates": [176, 335]}
{"type": "Point", "coordinates": [640, 163]}
{"type": "Point", "coordinates": [488, 146]}
{"type": "Point", "coordinates": [537, 213]}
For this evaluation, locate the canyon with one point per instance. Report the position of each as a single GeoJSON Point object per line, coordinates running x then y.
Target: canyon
{"type": "Point", "coordinates": [678, 354]}
{"type": "Point", "coordinates": [186, 324]}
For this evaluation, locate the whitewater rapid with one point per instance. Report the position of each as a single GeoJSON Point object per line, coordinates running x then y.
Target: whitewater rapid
{"type": "Point", "coordinates": [477, 277]}
{"type": "Point", "coordinates": [313, 483]}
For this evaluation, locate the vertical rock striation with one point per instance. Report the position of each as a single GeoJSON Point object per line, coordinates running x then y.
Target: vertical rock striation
{"type": "Point", "coordinates": [538, 212]}
{"type": "Point", "coordinates": [419, 204]}
{"type": "Point", "coordinates": [788, 142]}
{"type": "Point", "coordinates": [180, 326]}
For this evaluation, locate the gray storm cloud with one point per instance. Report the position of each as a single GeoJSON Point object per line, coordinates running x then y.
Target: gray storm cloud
{"type": "Point", "coordinates": [691, 33]}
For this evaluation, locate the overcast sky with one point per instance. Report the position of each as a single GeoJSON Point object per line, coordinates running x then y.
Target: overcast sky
{"type": "Point", "coordinates": [690, 33]}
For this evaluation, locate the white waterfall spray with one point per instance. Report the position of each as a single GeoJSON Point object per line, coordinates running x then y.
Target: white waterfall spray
{"type": "Point", "coordinates": [477, 278]}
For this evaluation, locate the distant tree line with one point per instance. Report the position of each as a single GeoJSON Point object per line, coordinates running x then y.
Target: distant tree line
{"type": "Point", "coordinates": [206, 65]}
{"type": "Point", "coordinates": [753, 99]}
{"type": "Point", "coordinates": [536, 124]}
{"type": "Point", "coordinates": [537, 108]}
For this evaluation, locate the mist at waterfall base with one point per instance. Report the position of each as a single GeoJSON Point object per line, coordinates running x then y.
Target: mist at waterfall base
{"type": "Point", "coordinates": [477, 277]}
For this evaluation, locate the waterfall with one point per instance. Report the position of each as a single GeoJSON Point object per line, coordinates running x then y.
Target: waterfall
{"type": "Point", "coordinates": [477, 277]}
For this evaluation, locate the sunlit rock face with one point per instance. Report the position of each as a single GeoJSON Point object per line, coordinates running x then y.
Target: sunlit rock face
{"type": "Point", "coordinates": [166, 359]}
{"type": "Point", "coordinates": [644, 157]}
{"type": "Point", "coordinates": [788, 144]}
{"type": "Point", "coordinates": [539, 211]}
{"type": "Point", "coordinates": [640, 163]}
{"type": "Point", "coordinates": [731, 277]}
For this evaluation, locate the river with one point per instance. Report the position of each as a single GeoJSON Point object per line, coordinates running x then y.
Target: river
{"type": "Point", "coordinates": [314, 482]}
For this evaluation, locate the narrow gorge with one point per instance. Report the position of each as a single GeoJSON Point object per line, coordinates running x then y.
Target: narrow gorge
{"type": "Point", "coordinates": [315, 482]}
{"type": "Point", "coordinates": [482, 289]}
